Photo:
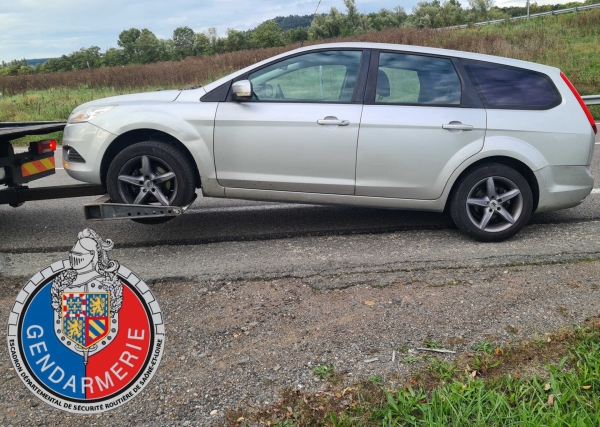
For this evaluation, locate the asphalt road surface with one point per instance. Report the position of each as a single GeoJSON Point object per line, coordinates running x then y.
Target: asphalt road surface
{"type": "Point", "coordinates": [40, 230]}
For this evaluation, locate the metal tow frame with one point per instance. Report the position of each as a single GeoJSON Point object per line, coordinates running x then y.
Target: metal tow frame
{"type": "Point", "coordinates": [102, 209]}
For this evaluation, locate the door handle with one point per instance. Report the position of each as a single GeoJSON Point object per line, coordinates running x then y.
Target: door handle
{"type": "Point", "coordinates": [327, 121]}
{"type": "Point", "coordinates": [457, 126]}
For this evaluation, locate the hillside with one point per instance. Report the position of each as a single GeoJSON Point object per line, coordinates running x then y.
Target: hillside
{"type": "Point", "coordinates": [34, 62]}
{"type": "Point", "coordinates": [293, 21]}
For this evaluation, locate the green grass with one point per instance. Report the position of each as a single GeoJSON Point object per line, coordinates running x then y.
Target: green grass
{"type": "Point", "coordinates": [432, 344]}
{"type": "Point", "coordinates": [485, 347]}
{"type": "Point", "coordinates": [52, 104]}
{"type": "Point", "coordinates": [569, 396]}
{"type": "Point", "coordinates": [507, 401]}
{"type": "Point", "coordinates": [376, 379]}
{"type": "Point", "coordinates": [323, 371]}
{"type": "Point", "coordinates": [557, 384]}
{"type": "Point", "coordinates": [410, 359]}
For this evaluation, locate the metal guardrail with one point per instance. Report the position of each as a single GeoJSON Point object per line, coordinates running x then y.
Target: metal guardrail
{"type": "Point", "coordinates": [591, 99]}
{"type": "Point", "coordinates": [533, 15]}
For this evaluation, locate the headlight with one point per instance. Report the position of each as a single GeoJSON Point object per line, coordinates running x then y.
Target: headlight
{"type": "Point", "coordinates": [87, 114]}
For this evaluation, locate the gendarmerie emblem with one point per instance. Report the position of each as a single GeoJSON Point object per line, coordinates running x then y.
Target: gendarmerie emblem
{"type": "Point", "coordinates": [86, 334]}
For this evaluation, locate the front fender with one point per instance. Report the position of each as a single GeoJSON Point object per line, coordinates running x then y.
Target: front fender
{"type": "Point", "coordinates": [192, 124]}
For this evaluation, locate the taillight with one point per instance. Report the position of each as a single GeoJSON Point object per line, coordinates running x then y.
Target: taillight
{"type": "Point", "coordinates": [581, 102]}
{"type": "Point", "coordinates": [41, 147]}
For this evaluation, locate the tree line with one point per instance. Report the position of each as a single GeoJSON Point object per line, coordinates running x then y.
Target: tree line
{"type": "Point", "coordinates": [142, 46]}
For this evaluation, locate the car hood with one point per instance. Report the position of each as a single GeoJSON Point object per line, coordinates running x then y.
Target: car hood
{"type": "Point", "coordinates": [135, 98]}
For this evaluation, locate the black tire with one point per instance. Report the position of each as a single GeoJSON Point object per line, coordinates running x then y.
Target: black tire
{"type": "Point", "coordinates": [163, 158]}
{"type": "Point", "coordinates": [475, 187]}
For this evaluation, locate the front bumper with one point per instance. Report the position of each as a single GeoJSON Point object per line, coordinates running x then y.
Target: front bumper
{"type": "Point", "coordinates": [563, 187]}
{"type": "Point", "coordinates": [91, 142]}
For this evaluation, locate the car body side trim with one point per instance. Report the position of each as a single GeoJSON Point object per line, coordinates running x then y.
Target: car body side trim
{"type": "Point", "coordinates": [335, 199]}
{"type": "Point", "coordinates": [362, 79]}
{"type": "Point", "coordinates": [217, 95]}
{"type": "Point", "coordinates": [470, 97]}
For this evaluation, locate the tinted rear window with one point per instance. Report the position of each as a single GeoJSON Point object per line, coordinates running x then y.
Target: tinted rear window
{"type": "Point", "coordinates": [511, 87]}
{"type": "Point", "coordinates": [415, 79]}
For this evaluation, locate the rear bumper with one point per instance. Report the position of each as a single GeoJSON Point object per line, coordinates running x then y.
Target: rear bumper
{"type": "Point", "coordinates": [563, 187]}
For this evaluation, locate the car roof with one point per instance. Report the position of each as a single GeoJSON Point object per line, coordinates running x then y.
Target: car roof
{"type": "Point", "coordinates": [395, 47]}
{"type": "Point", "coordinates": [432, 51]}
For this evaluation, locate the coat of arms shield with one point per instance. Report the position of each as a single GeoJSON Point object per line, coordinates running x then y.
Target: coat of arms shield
{"type": "Point", "coordinates": [85, 317]}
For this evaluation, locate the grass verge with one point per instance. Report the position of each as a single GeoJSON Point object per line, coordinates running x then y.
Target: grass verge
{"type": "Point", "coordinates": [53, 104]}
{"type": "Point", "coordinates": [550, 381]}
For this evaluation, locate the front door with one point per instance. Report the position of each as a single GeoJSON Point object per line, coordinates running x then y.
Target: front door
{"type": "Point", "coordinates": [415, 132]}
{"type": "Point", "coordinates": [300, 130]}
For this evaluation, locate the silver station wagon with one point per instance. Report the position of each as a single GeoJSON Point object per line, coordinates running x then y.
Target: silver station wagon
{"type": "Point", "coordinates": [488, 139]}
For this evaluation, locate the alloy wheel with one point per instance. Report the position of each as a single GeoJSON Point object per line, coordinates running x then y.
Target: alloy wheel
{"type": "Point", "coordinates": [494, 204]}
{"type": "Point", "coordinates": [147, 180]}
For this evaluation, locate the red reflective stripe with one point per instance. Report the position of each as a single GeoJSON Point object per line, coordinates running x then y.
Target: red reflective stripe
{"type": "Point", "coordinates": [37, 166]}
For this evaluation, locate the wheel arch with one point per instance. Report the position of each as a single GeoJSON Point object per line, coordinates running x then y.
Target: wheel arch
{"type": "Point", "coordinates": [511, 162]}
{"type": "Point", "coordinates": [140, 135]}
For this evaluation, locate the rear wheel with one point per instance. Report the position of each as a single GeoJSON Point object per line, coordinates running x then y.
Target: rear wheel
{"type": "Point", "coordinates": [151, 173]}
{"type": "Point", "coordinates": [492, 203]}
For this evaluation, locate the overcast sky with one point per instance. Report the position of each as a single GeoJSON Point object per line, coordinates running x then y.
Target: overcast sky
{"type": "Point", "coordinates": [49, 28]}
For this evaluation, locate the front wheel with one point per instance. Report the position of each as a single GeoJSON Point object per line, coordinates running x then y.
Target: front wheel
{"type": "Point", "coordinates": [491, 203]}
{"type": "Point", "coordinates": [151, 173]}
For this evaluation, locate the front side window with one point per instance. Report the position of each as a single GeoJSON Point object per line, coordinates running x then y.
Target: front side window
{"type": "Point", "coordinates": [328, 76]}
{"type": "Point", "coordinates": [414, 79]}
{"type": "Point", "coordinates": [506, 87]}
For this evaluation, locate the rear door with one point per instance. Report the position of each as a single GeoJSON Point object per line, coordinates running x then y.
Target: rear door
{"type": "Point", "coordinates": [300, 130]}
{"type": "Point", "coordinates": [420, 121]}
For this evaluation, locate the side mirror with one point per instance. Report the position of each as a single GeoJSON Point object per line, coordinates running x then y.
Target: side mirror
{"type": "Point", "coordinates": [242, 90]}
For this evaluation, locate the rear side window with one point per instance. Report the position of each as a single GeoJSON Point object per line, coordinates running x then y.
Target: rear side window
{"type": "Point", "coordinates": [414, 79]}
{"type": "Point", "coordinates": [506, 87]}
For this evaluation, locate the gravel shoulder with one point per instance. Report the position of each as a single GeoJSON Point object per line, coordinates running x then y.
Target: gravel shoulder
{"type": "Point", "coordinates": [237, 342]}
